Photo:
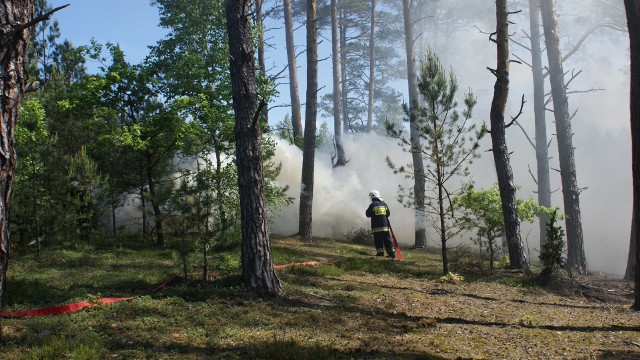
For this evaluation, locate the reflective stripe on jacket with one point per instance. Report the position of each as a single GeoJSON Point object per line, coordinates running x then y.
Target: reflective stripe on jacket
{"type": "Point", "coordinates": [378, 211]}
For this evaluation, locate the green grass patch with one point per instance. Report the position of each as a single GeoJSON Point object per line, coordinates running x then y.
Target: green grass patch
{"type": "Point", "coordinates": [357, 307]}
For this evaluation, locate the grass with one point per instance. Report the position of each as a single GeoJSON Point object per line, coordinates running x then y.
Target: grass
{"type": "Point", "coordinates": [358, 307]}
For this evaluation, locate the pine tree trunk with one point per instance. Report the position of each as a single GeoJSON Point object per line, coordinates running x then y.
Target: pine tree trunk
{"type": "Point", "coordinates": [542, 152]}
{"type": "Point", "coordinates": [337, 125]}
{"type": "Point", "coordinates": [311, 111]}
{"type": "Point", "coordinates": [14, 40]}
{"type": "Point", "coordinates": [261, 59]}
{"type": "Point", "coordinates": [372, 65]}
{"type": "Point", "coordinates": [296, 116]}
{"type": "Point", "coordinates": [630, 271]}
{"type": "Point", "coordinates": [517, 256]}
{"type": "Point", "coordinates": [418, 165]}
{"type": "Point", "coordinates": [633, 23]}
{"type": "Point", "coordinates": [576, 259]}
{"type": "Point", "coordinates": [257, 265]}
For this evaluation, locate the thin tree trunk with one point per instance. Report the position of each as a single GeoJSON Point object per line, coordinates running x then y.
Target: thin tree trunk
{"type": "Point", "coordinates": [113, 218]}
{"type": "Point", "coordinates": [517, 256]}
{"type": "Point", "coordinates": [422, 27]}
{"type": "Point", "coordinates": [372, 65]}
{"type": "Point", "coordinates": [311, 111]}
{"type": "Point", "coordinates": [296, 116]}
{"type": "Point", "coordinates": [576, 259]}
{"type": "Point", "coordinates": [343, 72]}
{"type": "Point", "coordinates": [257, 264]}
{"type": "Point", "coordinates": [337, 125]}
{"type": "Point", "coordinates": [542, 152]}
{"type": "Point", "coordinates": [143, 209]}
{"type": "Point", "coordinates": [222, 213]}
{"type": "Point", "coordinates": [14, 39]}
{"type": "Point", "coordinates": [261, 59]}
{"type": "Point", "coordinates": [633, 23]}
{"type": "Point", "coordinates": [157, 212]}
{"type": "Point", "coordinates": [418, 165]}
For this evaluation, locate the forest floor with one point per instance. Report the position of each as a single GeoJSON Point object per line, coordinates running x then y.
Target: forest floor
{"type": "Point", "coordinates": [352, 306]}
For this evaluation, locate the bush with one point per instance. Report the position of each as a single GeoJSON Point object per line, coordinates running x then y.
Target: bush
{"type": "Point", "coordinates": [360, 236]}
{"type": "Point", "coordinates": [551, 254]}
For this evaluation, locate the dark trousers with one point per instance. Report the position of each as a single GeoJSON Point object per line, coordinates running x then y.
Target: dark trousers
{"type": "Point", "coordinates": [382, 241]}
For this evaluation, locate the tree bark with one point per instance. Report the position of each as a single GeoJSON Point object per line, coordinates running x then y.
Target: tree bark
{"type": "Point", "coordinates": [311, 111]}
{"type": "Point", "coordinates": [261, 58]}
{"type": "Point", "coordinates": [296, 116]}
{"type": "Point", "coordinates": [418, 165]}
{"type": "Point", "coordinates": [15, 16]}
{"type": "Point", "coordinates": [337, 125]}
{"type": "Point", "coordinates": [576, 259]}
{"type": "Point", "coordinates": [500, 151]}
{"type": "Point", "coordinates": [630, 271]}
{"type": "Point", "coordinates": [633, 23]}
{"type": "Point", "coordinates": [372, 65]}
{"type": "Point", "coordinates": [542, 151]}
{"type": "Point", "coordinates": [257, 265]}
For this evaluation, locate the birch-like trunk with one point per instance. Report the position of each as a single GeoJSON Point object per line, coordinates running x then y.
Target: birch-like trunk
{"type": "Point", "coordinates": [341, 158]}
{"type": "Point", "coordinates": [296, 116]}
{"type": "Point", "coordinates": [372, 66]}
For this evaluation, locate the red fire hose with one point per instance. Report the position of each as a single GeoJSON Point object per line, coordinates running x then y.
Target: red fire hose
{"type": "Point", "coordinates": [395, 244]}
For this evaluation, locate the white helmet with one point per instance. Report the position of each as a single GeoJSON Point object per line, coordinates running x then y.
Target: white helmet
{"type": "Point", "coordinates": [374, 194]}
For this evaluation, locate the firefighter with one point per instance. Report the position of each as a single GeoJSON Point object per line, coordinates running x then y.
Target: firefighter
{"type": "Point", "coordinates": [379, 212]}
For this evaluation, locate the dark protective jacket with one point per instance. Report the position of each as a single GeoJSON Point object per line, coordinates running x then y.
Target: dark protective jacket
{"type": "Point", "coordinates": [378, 211]}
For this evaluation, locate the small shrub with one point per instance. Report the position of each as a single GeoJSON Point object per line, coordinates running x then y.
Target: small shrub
{"type": "Point", "coordinates": [451, 278]}
{"type": "Point", "coordinates": [463, 259]}
{"type": "Point", "coordinates": [360, 236]}
{"type": "Point", "coordinates": [552, 251]}
{"type": "Point", "coordinates": [527, 320]}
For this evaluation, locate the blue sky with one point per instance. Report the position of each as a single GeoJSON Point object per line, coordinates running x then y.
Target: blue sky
{"type": "Point", "coordinates": [131, 23]}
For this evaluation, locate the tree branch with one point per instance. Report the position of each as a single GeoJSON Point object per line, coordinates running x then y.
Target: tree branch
{"type": "Point", "coordinates": [535, 180]}
{"type": "Point", "coordinates": [256, 116]}
{"type": "Point", "coordinates": [587, 34]}
{"type": "Point", "coordinates": [513, 119]}
{"type": "Point", "coordinates": [525, 134]}
{"type": "Point", "coordinates": [39, 18]}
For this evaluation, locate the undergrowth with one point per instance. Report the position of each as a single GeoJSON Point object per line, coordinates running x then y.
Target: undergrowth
{"type": "Point", "coordinates": [351, 306]}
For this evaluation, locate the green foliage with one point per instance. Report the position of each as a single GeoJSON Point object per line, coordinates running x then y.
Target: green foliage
{"type": "Point", "coordinates": [451, 278]}
{"type": "Point", "coordinates": [355, 56]}
{"type": "Point", "coordinates": [481, 210]}
{"type": "Point", "coordinates": [85, 192]}
{"type": "Point", "coordinates": [324, 137]}
{"type": "Point", "coordinates": [449, 142]}
{"type": "Point", "coordinates": [552, 251]}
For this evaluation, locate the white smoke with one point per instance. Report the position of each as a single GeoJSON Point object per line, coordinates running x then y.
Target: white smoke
{"type": "Point", "coordinates": [341, 194]}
